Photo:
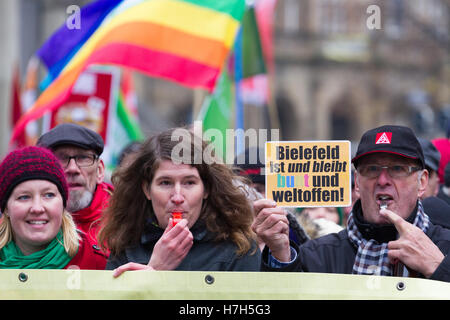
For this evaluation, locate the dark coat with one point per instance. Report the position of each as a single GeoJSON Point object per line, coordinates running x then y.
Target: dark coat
{"type": "Point", "coordinates": [438, 210]}
{"type": "Point", "coordinates": [442, 195]}
{"type": "Point", "coordinates": [334, 253]}
{"type": "Point", "coordinates": [204, 255]}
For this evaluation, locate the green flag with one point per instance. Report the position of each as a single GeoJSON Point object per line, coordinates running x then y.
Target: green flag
{"type": "Point", "coordinates": [216, 112]}
{"type": "Point", "coordinates": [217, 109]}
{"type": "Point", "coordinates": [126, 130]}
{"type": "Point", "coordinates": [252, 55]}
{"type": "Point", "coordinates": [132, 128]}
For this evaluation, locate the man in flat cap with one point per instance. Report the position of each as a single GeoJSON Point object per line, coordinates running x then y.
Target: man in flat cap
{"type": "Point", "coordinates": [388, 232]}
{"type": "Point", "coordinates": [79, 149]}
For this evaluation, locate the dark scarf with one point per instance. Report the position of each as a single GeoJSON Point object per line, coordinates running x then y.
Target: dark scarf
{"type": "Point", "coordinates": [371, 240]}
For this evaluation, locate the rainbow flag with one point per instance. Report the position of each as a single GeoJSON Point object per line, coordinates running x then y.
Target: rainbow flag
{"type": "Point", "coordinates": [69, 41]}
{"type": "Point", "coordinates": [185, 41]}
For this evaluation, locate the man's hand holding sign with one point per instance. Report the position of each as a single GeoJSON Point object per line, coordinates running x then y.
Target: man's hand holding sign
{"type": "Point", "coordinates": [272, 226]}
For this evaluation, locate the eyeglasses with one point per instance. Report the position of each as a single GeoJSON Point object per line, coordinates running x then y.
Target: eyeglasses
{"type": "Point", "coordinates": [395, 171]}
{"type": "Point", "coordinates": [82, 160]}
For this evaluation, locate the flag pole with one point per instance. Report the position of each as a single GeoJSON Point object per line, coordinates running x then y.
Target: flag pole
{"type": "Point", "coordinates": [197, 103]}
{"type": "Point", "coordinates": [238, 68]}
{"type": "Point", "coordinates": [272, 106]}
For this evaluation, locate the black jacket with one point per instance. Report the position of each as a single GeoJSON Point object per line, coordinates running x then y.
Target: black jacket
{"type": "Point", "coordinates": [334, 253]}
{"type": "Point", "coordinates": [442, 195]}
{"type": "Point", "coordinates": [204, 255]}
{"type": "Point", "coordinates": [438, 210]}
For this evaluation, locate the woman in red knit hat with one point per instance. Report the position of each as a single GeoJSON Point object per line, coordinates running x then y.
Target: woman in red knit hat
{"type": "Point", "coordinates": [36, 231]}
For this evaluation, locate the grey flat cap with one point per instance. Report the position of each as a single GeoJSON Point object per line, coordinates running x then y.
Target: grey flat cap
{"type": "Point", "coordinates": [72, 134]}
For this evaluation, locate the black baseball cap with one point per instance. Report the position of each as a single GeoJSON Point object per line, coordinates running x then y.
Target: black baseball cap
{"type": "Point", "coordinates": [398, 140]}
{"type": "Point", "coordinates": [72, 134]}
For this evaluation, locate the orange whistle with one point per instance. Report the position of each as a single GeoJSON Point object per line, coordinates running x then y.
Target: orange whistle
{"type": "Point", "coordinates": [176, 217]}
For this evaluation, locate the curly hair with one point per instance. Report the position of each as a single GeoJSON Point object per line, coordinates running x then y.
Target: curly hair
{"type": "Point", "coordinates": [226, 211]}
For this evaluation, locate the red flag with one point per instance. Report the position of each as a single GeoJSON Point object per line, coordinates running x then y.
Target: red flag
{"type": "Point", "coordinates": [264, 11]}
{"type": "Point", "coordinates": [16, 105]}
{"type": "Point", "coordinates": [28, 97]}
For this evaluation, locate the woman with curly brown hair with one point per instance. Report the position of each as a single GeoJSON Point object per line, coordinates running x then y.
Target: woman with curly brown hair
{"type": "Point", "coordinates": [174, 174]}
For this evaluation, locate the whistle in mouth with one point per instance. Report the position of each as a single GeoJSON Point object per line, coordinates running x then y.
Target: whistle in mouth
{"type": "Point", "coordinates": [176, 217]}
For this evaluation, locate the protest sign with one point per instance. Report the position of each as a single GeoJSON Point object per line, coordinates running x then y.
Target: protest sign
{"type": "Point", "coordinates": [308, 173]}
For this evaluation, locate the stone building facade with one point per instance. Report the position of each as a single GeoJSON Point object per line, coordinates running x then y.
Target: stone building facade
{"type": "Point", "coordinates": [335, 75]}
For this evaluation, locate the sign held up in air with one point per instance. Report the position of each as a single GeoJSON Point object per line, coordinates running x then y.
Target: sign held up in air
{"type": "Point", "coordinates": [308, 173]}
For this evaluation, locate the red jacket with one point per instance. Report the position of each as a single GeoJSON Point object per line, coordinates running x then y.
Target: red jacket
{"type": "Point", "coordinates": [89, 256]}
{"type": "Point", "coordinates": [87, 219]}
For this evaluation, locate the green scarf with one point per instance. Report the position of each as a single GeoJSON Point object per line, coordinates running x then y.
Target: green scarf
{"type": "Point", "coordinates": [52, 257]}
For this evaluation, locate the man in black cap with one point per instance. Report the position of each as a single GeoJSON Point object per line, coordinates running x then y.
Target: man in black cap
{"type": "Point", "coordinates": [79, 149]}
{"type": "Point", "coordinates": [387, 228]}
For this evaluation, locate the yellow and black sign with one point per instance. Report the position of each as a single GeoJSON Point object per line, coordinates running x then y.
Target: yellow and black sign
{"type": "Point", "coordinates": [308, 173]}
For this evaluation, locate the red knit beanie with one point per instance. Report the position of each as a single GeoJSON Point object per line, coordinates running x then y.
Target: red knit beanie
{"type": "Point", "coordinates": [30, 163]}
